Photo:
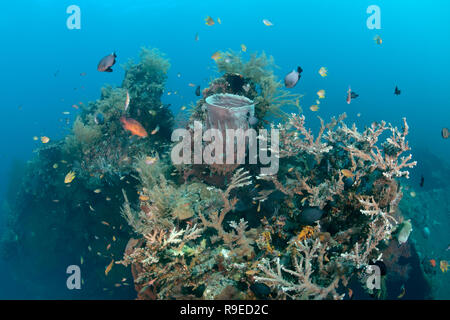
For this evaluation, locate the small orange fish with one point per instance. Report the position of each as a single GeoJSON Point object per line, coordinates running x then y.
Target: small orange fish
{"type": "Point", "coordinates": [155, 131]}
{"type": "Point", "coordinates": [45, 139]}
{"type": "Point", "coordinates": [105, 223]}
{"type": "Point", "coordinates": [134, 127]}
{"type": "Point", "coordinates": [109, 267]}
{"type": "Point", "coordinates": [433, 263]}
{"type": "Point", "coordinates": [347, 173]}
{"type": "Point", "coordinates": [350, 293]}
{"type": "Point", "coordinates": [108, 246]}
{"type": "Point", "coordinates": [144, 198]}
{"type": "Point", "coordinates": [69, 177]}
{"type": "Point", "coordinates": [192, 85]}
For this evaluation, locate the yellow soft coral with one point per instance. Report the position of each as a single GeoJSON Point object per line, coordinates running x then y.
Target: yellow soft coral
{"type": "Point", "coordinates": [306, 233]}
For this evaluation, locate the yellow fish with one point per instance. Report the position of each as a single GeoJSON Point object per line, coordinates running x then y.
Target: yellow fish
{"type": "Point", "coordinates": [443, 265]}
{"type": "Point", "coordinates": [267, 23]}
{"type": "Point", "coordinates": [35, 138]}
{"type": "Point", "coordinates": [55, 166]}
{"type": "Point", "coordinates": [314, 108]}
{"type": "Point", "coordinates": [402, 294]}
{"type": "Point", "coordinates": [321, 94]}
{"type": "Point", "coordinates": [45, 139]}
{"type": "Point", "coordinates": [209, 21]}
{"type": "Point", "coordinates": [219, 21]}
{"type": "Point", "coordinates": [69, 177]}
{"type": "Point", "coordinates": [244, 47]}
{"type": "Point", "coordinates": [216, 56]}
{"type": "Point", "coordinates": [98, 190]}
{"type": "Point", "coordinates": [323, 72]}
{"type": "Point", "coordinates": [378, 39]}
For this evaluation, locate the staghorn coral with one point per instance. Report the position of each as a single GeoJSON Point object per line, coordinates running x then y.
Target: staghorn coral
{"type": "Point", "coordinates": [305, 256]}
{"type": "Point", "coordinates": [359, 203]}
{"type": "Point", "coordinates": [172, 258]}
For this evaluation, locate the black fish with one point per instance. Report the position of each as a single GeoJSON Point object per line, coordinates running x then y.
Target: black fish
{"type": "Point", "coordinates": [422, 179]}
{"type": "Point", "coordinates": [354, 95]}
{"type": "Point", "coordinates": [310, 215]}
{"type": "Point", "coordinates": [107, 62]}
{"type": "Point", "coordinates": [197, 91]}
{"type": "Point", "coordinates": [235, 81]}
{"type": "Point", "coordinates": [397, 91]}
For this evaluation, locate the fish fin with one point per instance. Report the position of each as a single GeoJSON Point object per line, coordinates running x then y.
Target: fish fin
{"type": "Point", "coordinates": [114, 54]}
{"type": "Point", "coordinates": [109, 70]}
{"type": "Point", "coordinates": [299, 69]}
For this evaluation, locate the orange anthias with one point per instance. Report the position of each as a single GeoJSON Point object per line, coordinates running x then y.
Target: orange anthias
{"type": "Point", "coordinates": [134, 127]}
{"type": "Point", "coordinates": [433, 263]}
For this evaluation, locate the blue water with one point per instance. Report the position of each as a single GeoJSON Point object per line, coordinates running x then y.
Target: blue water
{"type": "Point", "coordinates": [41, 61]}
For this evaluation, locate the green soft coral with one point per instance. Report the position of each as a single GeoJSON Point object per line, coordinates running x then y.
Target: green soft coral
{"type": "Point", "coordinates": [259, 69]}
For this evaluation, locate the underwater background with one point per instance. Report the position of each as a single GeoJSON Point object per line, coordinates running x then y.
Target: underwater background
{"type": "Point", "coordinates": [42, 62]}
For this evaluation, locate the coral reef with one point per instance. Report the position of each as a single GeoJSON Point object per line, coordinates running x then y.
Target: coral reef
{"type": "Point", "coordinates": [209, 231]}
{"type": "Point", "coordinates": [350, 219]}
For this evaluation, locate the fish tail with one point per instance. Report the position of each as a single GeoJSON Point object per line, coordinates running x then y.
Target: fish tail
{"type": "Point", "coordinates": [299, 69]}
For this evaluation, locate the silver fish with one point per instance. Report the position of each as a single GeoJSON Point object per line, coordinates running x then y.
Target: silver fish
{"type": "Point", "coordinates": [292, 78]}
{"type": "Point", "coordinates": [107, 62]}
